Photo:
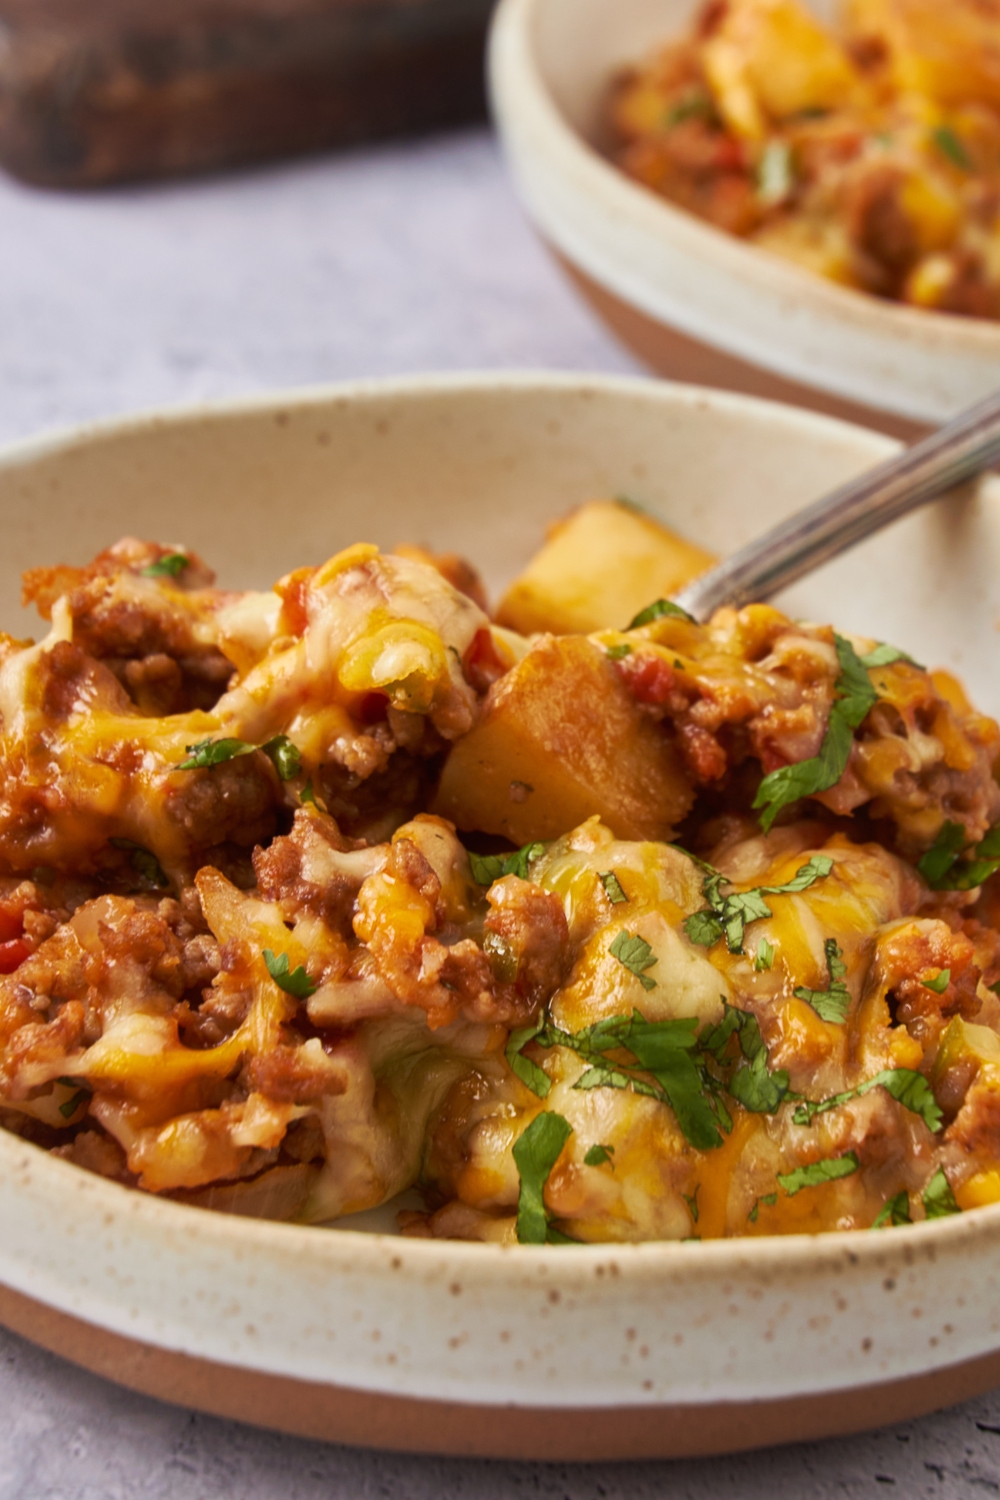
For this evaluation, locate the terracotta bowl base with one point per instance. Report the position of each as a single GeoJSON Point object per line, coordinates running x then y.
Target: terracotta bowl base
{"type": "Point", "coordinates": [406, 1424]}
{"type": "Point", "coordinates": [678, 357]}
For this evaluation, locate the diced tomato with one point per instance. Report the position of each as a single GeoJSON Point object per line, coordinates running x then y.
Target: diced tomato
{"type": "Point", "coordinates": [11, 924]}
{"type": "Point", "coordinates": [13, 954]}
{"type": "Point", "coordinates": [648, 678]}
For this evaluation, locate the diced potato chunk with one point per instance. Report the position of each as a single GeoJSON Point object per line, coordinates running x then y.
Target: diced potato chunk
{"type": "Point", "coordinates": [770, 58]}
{"type": "Point", "coordinates": [945, 51]}
{"type": "Point", "coordinates": [599, 567]}
{"type": "Point", "coordinates": [561, 739]}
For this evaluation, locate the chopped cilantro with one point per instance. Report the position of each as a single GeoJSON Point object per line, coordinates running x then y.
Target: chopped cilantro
{"type": "Point", "coordinates": [144, 863]}
{"type": "Point", "coordinates": [597, 1156]}
{"type": "Point", "coordinates": [616, 653]}
{"type": "Point", "coordinates": [661, 1049]}
{"type": "Point", "coordinates": [907, 1087]}
{"type": "Point", "coordinates": [634, 954]}
{"type": "Point", "coordinates": [692, 106]}
{"type": "Point", "coordinates": [170, 565]}
{"type": "Point", "coordinates": [529, 1072]}
{"type": "Point", "coordinates": [489, 867]}
{"type": "Point", "coordinates": [295, 982]}
{"type": "Point", "coordinates": [210, 752]}
{"type": "Point", "coordinates": [938, 1198]}
{"type": "Point", "coordinates": [950, 146]}
{"type": "Point", "coordinates": [656, 611]}
{"type": "Point", "coordinates": [833, 1003]}
{"type": "Point", "coordinates": [884, 656]}
{"type": "Point", "coordinates": [938, 984]}
{"type": "Point", "coordinates": [692, 1204]}
{"type": "Point", "coordinates": [753, 1084]}
{"type": "Point", "coordinates": [613, 887]}
{"type": "Point", "coordinates": [82, 1092]}
{"type": "Point", "coordinates": [535, 1154]}
{"type": "Point", "coordinates": [307, 794]}
{"type": "Point", "coordinates": [769, 1198]}
{"type": "Point", "coordinates": [895, 1211]}
{"type": "Point", "coordinates": [854, 697]}
{"type": "Point", "coordinates": [728, 916]}
{"type": "Point", "coordinates": [941, 868]}
{"type": "Point", "coordinates": [764, 957]}
{"type": "Point", "coordinates": [818, 1172]}
{"type": "Point", "coordinates": [286, 757]}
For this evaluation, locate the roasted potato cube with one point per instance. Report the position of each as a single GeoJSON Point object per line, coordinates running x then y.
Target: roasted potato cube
{"type": "Point", "coordinates": [771, 59]}
{"type": "Point", "coordinates": [561, 739]}
{"type": "Point", "coordinates": [947, 52]}
{"type": "Point", "coordinates": [599, 567]}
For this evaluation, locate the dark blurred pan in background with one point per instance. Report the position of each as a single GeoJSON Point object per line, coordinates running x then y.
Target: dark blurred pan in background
{"type": "Point", "coordinates": [96, 91]}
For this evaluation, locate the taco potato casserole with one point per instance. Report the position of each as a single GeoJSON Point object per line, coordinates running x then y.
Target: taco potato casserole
{"type": "Point", "coordinates": [867, 151]}
{"type": "Point", "coordinates": [589, 933]}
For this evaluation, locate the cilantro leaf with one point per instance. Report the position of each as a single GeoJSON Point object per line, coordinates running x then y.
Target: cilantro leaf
{"type": "Point", "coordinates": [941, 868]}
{"type": "Point", "coordinates": [854, 697]}
{"type": "Point", "coordinates": [884, 656]}
{"type": "Point", "coordinates": [619, 652]}
{"type": "Point", "coordinates": [207, 753]}
{"type": "Point", "coordinates": [307, 794]}
{"type": "Point", "coordinates": [939, 983]}
{"type": "Point", "coordinates": [536, 1152]}
{"type": "Point", "coordinates": [949, 144]}
{"type": "Point", "coordinates": [895, 1211]}
{"type": "Point", "coordinates": [661, 1048]}
{"type": "Point", "coordinates": [818, 1172]}
{"type": "Point", "coordinates": [833, 1003]}
{"type": "Point", "coordinates": [703, 928]}
{"type": "Point", "coordinates": [905, 1085]}
{"type": "Point", "coordinates": [692, 1203]}
{"type": "Point", "coordinates": [82, 1092]}
{"type": "Point", "coordinates": [756, 1089]}
{"type": "Point", "coordinates": [938, 1198]}
{"type": "Point", "coordinates": [144, 863]}
{"type": "Point", "coordinates": [598, 1155]}
{"type": "Point", "coordinates": [764, 957]}
{"type": "Point", "coordinates": [285, 756]}
{"type": "Point", "coordinates": [517, 864]}
{"type": "Point", "coordinates": [170, 565]}
{"type": "Point", "coordinates": [613, 887]}
{"type": "Point", "coordinates": [634, 954]}
{"type": "Point", "coordinates": [729, 915]}
{"type": "Point", "coordinates": [769, 1198]}
{"type": "Point", "coordinates": [753, 1084]}
{"type": "Point", "coordinates": [692, 106]}
{"type": "Point", "coordinates": [656, 611]}
{"type": "Point", "coordinates": [530, 1074]}
{"type": "Point", "coordinates": [486, 868]}
{"type": "Point", "coordinates": [295, 982]}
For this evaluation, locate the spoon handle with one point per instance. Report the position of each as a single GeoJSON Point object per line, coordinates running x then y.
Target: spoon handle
{"type": "Point", "coordinates": [962, 448]}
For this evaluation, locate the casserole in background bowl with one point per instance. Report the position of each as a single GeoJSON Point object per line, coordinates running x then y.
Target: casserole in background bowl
{"type": "Point", "coordinates": [593, 1351]}
{"type": "Point", "coordinates": [694, 302]}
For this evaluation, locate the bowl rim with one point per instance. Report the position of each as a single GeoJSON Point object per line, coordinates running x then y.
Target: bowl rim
{"type": "Point", "coordinates": [758, 1257]}
{"type": "Point", "coordinates": [518, 88]}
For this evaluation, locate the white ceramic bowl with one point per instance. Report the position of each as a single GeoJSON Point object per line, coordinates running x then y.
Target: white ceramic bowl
{"type": "Point", "coordinates": [695, 302]}
{"type": "Point", "coordinates": [603, 1351]}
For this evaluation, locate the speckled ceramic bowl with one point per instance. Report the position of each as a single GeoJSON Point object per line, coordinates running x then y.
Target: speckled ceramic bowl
{"type": "Point", "coordinates": [696, 303]}
{"type": "Point", "coordinates": [604, 1351]}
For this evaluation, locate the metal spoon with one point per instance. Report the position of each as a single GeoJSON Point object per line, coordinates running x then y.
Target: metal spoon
{"type": "Point", "coordinates": [962, 448]}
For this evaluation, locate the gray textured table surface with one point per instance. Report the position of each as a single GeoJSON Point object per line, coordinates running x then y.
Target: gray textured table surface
{"type": "Point", "coordinates": [404, 259]}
